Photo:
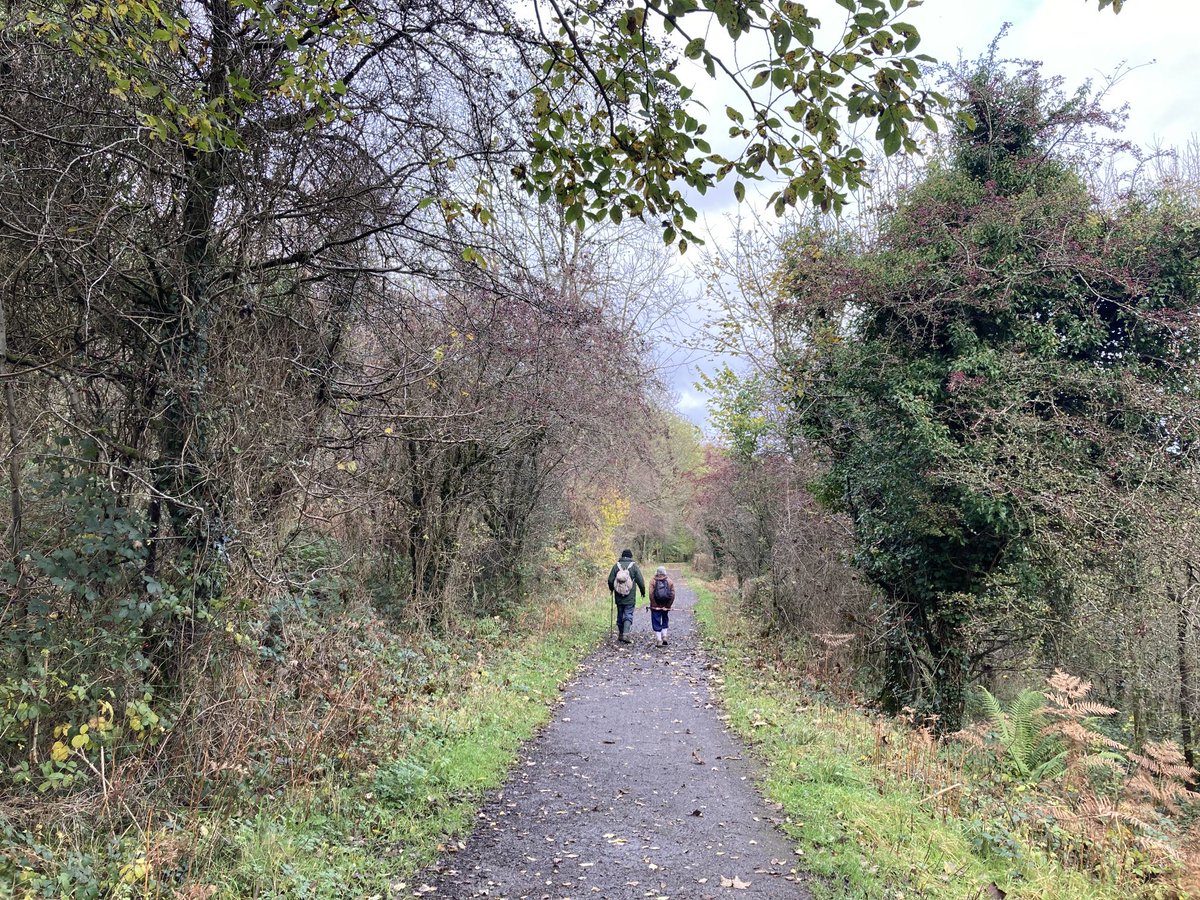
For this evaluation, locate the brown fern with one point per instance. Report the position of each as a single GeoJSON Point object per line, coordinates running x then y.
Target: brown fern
{"type": "Point", "coordinates": [1152, 782]}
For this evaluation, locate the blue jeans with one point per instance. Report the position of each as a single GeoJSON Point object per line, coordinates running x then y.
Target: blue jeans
{"type": "Point", "coordinates": [624, 617]}
{"type": "Point", "coordinates": [660, 619]}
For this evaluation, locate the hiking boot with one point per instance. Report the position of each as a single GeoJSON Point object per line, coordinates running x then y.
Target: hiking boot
{"type": "Point", "coordinates": [663, 635]}
{"type": "Point", "coordinates": [624, 639]}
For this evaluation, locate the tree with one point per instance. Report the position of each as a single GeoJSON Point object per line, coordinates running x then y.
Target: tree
{"type": "Point", "coordinates": [999, 386]}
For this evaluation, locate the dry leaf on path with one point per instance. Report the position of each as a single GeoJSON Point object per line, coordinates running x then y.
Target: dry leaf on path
{"type": "Point", "coordinates": [735, 883]}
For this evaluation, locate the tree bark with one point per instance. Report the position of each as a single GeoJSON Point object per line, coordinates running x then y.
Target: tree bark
{"type": "Point", "coordinates": [187, 482]}
{"type": "Point", "coordinates": [1187, 697]}
{"type": "Point", "coordinates": [18, 611]}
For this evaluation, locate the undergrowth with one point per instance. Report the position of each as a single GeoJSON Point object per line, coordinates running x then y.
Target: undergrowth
{"type": "Point", "coordinates": [355, 827]}
{"type": "Point", "coordinates": [879, 809]}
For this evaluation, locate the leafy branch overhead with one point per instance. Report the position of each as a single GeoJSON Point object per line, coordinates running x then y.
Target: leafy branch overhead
{"type": "Point", "coordinates": [619, 131]}
{"type": "Point", "coordinates": [198, 73]}
{"type": "Point", "coordinates": [615, 126]}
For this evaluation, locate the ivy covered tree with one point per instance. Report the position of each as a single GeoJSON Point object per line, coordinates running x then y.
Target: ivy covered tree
{"type": "Point", "coordinates": [1001, 386]}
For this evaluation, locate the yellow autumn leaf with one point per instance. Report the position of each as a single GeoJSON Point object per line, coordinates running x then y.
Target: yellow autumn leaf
{"type": "Point", "coordinates": [59, 752]}
{"type": "Point", "coordinates": [132, 873]}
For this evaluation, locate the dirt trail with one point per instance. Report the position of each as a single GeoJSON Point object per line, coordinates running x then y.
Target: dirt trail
{"type": "Point", "coordinates": [635, 790]}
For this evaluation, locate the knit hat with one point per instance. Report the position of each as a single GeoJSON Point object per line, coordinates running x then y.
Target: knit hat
{"type": "Point", "coordinates": [626, 554]}
{"type": "Point", "coordinates": [662, 570]}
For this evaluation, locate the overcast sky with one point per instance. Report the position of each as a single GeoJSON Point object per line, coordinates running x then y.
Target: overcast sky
{"type": "Point", "coordinates": [1157, 39]}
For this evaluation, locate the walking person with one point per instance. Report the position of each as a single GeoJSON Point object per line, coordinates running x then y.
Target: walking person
{"type": "Point", "coordinates": [624, 581]}
{"type": "Point", "coordinates": [662, 596]}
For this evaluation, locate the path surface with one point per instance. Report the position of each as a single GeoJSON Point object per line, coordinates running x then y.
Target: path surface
{"type": "Point", "coordinates": [635, 790]}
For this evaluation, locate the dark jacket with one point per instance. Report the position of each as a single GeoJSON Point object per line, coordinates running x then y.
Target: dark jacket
{"type": "Point", "coordinates": [662, 604]}
{"type": "Point", "coordinates": [638, 582]}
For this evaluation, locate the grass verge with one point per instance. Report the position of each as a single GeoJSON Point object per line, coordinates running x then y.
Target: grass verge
{"type": "Point", "coordinates": [365, 834]}
{"type": "Point", "coordinates": [865, 814]}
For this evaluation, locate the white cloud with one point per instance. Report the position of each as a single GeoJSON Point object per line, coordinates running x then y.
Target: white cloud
{"type": "Point", "coordinates": [1076, 41]}
{"type": "Point", "coordinates": [690, 402]}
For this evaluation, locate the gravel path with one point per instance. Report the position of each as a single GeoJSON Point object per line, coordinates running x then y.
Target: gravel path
{"type": "Point", "coordinates": [635, 790]}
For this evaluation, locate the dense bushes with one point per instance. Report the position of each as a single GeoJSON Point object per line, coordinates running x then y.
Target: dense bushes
{"type": "Point", "coordinates": [280, 396]}
{"type": "Point", "coordinates": [998, 388]}
{"type": "Point", "coordinates": [986, 409]}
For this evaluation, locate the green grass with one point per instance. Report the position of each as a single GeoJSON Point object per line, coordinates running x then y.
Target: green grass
{"type": "Point", "coordinates": [862, 828]}
{"type": "Point", "coordinates": [368, 835]}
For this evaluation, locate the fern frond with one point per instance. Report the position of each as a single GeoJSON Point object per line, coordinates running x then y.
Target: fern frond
{"type": "Point", "coordinates": [1027, 706]}
{"type": "Point", "coordinates": [992, 710]}
{"type": "Point", "coordinates": [1065, 708]}
{"type": "Point", "coordinates": [1164, 760]}
{"type": "Point", "coordinates": [1165, 751]}
{"type": "Point", "coordinates": [1071, 687]}
{"type": "Point", "coordinates": [1025, 725]}
{"type": "Point", "coordinates": [1052, 768]}
{"type": "Point", "coordinates": [1104, 761]}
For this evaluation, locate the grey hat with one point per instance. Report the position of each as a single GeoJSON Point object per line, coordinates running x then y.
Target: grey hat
{"type": "Point", "coordinates": [662, 570]}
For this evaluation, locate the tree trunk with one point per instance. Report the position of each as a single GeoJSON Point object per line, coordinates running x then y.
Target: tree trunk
{"type": "Point", "coordinates": [17, 610]}
{"type": "Point", "coordinates": [186, 479]}
{"type": "Point", "coordinates": [1187, 698]}
{"type": "Point", "coordinates": [19, 613]}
